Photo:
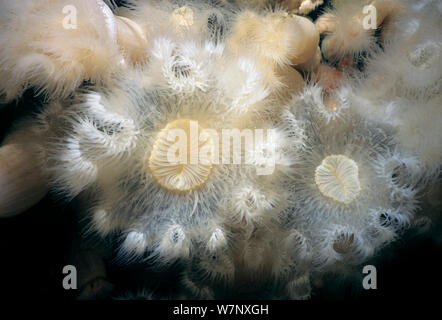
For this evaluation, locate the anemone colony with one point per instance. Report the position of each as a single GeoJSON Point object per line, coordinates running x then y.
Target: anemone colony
{"type": "Point", "coordinates": [354, 148]}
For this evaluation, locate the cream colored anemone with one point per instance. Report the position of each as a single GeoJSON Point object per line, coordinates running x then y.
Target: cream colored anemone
{"type": "Point", "coordinates": [347, 28]}
{"type": "Point", "coordinates": [410, 64]}
{"type": "Point", "coordinates": [183, 172]}
{"type": "Point", "coordinates": [274, 40]}
{"type": "Point", "coordinates": [337, 185]}
{"type": "Point", "coordinates": [133, 148]}
{"type": "Point", "coordinates": [337, 178]}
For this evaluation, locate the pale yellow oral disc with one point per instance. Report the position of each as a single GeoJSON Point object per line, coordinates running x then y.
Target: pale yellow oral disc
{"type": "Point", "coordinates": [337, 178]}
{"type": "Point", "coordinates": [173, 162]}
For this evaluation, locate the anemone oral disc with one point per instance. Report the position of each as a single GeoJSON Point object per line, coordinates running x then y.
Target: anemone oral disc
{"type": "Point", "coordinates": [337, 178]}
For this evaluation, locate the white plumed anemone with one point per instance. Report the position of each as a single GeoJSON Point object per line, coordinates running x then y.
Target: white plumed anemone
{"type": "Point", "coordinates": [400, 85]}
{"type": "Point", "coordinates": [130, 147]}
{"type": "Point", "coordinates": [182, 65]}
{"type": "Point", "coordinates": [344, 32]}
{"type": "Point", "coordinates": [56, 45]}
{"type": "Point", "coordinates": [123, 157]}
{"type": "Point", "coordinates": [214, 267]}
{"type": "Point", "coordinates": [254, 204]}
{"type": "Point", "coordinates": [175, 242]}
{"type": "Point", "coordinates": [341, 244]}
{"type": "Point", "coordinates": [329, 103]}
{"type": "Point", "coordinates": [411, 62]}
{"type": "Point", "coordinates": [217, 241]}
{"type": "Point", "coordinates": [85, 137]}
{"type": "Point", "coordinates": [134, 243]}
{"type": "Point", "coordinates": [338, 183]}
{"type": "Point", "coordinates": [246, 88]}
{"type": "Point", "coordinates": [350, 26]}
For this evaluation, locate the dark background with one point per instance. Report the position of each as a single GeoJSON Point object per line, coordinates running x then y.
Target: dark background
{"type": "Point", "coordinates": [35, 246]}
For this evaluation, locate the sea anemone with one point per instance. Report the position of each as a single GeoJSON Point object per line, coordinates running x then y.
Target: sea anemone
{"type": "Point", "coordinates": [42, 47]}
{"type": "Point", "coordinates": [410, 64]}
{"type": "Point", "coordinates": [337, 186]}
{"type": "Point", "coordinates": [349, 27]}
{"type": "Point", "coordinates": [136, 139]}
